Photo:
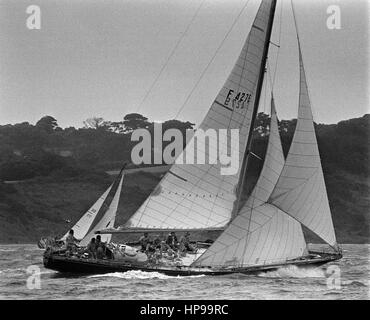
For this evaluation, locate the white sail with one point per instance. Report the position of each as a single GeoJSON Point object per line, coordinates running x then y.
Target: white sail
{"type": "Point", "coordinates": [300, 190]}
{"type": "Point", "coordinates": [272, 166]}
{"type": "Point", "coordinates": [259, 236]}
{"type": "Point", "coordinates": [83, 225]}
{"type": "Point", "coordinates": [107, 221]}
{"type": "Point", "coordinates": [197, 195]}
{"type": "Point", "coordinates": [260, 233]}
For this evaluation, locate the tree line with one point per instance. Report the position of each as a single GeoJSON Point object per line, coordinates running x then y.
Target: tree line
{"type": "Point", "coordinates": [28, 151]}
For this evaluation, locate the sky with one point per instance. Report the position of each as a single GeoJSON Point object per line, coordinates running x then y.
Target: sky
{"type": "Point", "coordinates": [102, 58]}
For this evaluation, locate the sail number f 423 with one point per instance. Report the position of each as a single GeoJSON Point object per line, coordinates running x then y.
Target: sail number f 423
{"type": "Point", "coordinates": [238, 100]}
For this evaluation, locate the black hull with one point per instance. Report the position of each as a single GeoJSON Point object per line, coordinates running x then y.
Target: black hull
{"type": "Point", "coordinates": [86, 266]}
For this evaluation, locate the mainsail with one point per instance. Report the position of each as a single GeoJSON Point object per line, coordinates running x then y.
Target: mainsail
{"type": "Point", "coordinates": [107, 221]}
{"type": "Point", "coordinates": [260, 233]}
{"type": "Point", "coordinates": [300, 190]}
{"type": "Point", "coordinates": [198, 196]}
{"type": "Point", "coordinates": [83, 225]}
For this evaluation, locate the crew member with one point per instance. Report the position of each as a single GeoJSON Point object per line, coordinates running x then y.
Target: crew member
{"type": "Point", "coordinates": [91, 248]}
{"type": "Point", "coordinates": [100, 247]}
{"type": "Point", "coordinates": [172, 240]}
{"type": "Point", "coordinates": [144, 242]}
{"type": "Point", "coordinates": [71, 242]}
{"type": "Point", "coordinates": [185, 243]}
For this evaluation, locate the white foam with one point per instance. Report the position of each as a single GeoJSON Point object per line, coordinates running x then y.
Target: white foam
{"type": "Point", "coordinates": [294, 272]}
{"type": "Point", "coordinates": [47, 272]}
{"type": "Point", "coordinates": [13, 270]}
{"type": "Point", "coordinates": [138, 274]}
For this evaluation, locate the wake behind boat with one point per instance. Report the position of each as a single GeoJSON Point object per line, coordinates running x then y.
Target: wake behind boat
{"type": "Point", "coordinates": [263, 233]}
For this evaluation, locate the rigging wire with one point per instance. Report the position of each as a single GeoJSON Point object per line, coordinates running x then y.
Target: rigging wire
{"type": "Point", "coordinates": [335, 247]}
{"type": "Point", "coordinates": [213, 57]}
{"type": "Point", "coordinates": [198, 81]}
{"type": "Point", "coordinates": [200, 78]}
{"type": "Point", "coordinates": [268, 67]}
{"type": "Point", "coordinates": [170, 56]}
{"type": "Point", "coordinates": [279, 42]}
{"type": "Point", "coordinates": [301, 58]}
{"type": "Point", "coordinates": [272, 79]}
{"type": "Point", "coordinates": [164, 66]}
{"type": "Point", "coordinates": [296, 25]}
{"type": "Point", "coordinates": [264, 93]}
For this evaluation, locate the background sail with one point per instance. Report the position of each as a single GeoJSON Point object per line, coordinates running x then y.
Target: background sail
{"type": "Point", "coordinates": [107, 220]}
{"type": "Point", "coordinates": [83, 225]}
{"type": "Point", "coordinates": [197, 195]}
{"type": "Point", "coordinates": [301, 190]}
{"type": "Point", "coordinates": [260, 233]}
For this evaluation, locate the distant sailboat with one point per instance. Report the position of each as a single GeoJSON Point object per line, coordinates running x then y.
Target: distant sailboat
{"type": "Point", "coordinates": [84, 229]}
{"type": "Point", "coordinates": [265, 232]}
{"type": "Point", "coordinates": [83, 225]}
{"type": "Point", "coordinates": [108, 218]}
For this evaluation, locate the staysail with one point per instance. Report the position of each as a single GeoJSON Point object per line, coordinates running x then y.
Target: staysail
{"type": "Point", "coordinates": [272, 165]}
{"type": "Point", "coordinates": [83, 225]}
{"type": "Point", "coordinates": [300, 190]}
{"type": "Point", "coordinates": [198, 196]}
{"type": "Point", "coordinates": [107, 221]}
{"type": "Point", "coordinates": [260, 233]}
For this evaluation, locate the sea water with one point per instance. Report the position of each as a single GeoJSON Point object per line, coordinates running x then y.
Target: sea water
{"type": "Point", "coordinates": [23, 276]}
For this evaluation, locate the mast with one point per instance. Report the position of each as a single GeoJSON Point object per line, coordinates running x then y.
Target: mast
{"type": "Point", "coordinates": [200, 195]}
{"type": "Point", "coordinates": [255, 107]}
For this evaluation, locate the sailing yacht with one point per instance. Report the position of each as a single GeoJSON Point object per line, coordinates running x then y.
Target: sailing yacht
{"type": "Point", "coordinates": [263, 233]}
{"type": "Point", "coordinates": [85, 228]}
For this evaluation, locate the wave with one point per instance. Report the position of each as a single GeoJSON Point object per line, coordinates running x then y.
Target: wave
{"type": "Point", "coordinates": [355, 283]}
{"type": "Point", "coordinates": [15, 271]}
{"type": "Point", "coordinates": [7, 250]}
{"type": "Point", "coordinates": [333, 293]}
{"type": "Point", "coordinates": [48, 272]}
{"type": "Point", "coordinates": [10, 270]}
{"type": "Point", "coordinates": [294, 272]}
{"type": "Point", "coordinates": [137, 274]}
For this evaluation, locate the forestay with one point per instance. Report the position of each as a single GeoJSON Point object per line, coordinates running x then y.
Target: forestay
{"type": "Point", "coordinates": [198, 195]}
{"type": "Point", "coordinates": [261, 233]}
{"type": "Point", "coordinates": [300, 190]}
